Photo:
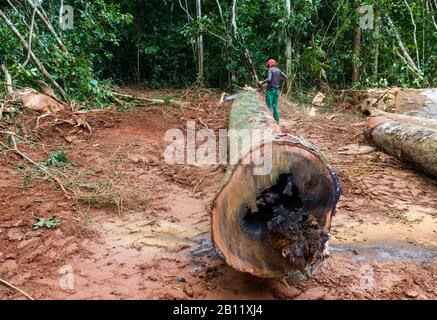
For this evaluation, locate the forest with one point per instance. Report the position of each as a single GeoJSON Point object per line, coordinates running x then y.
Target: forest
{"type": "Point", "coordinates": [218, 150]}
{"type": "Point", "coordinates": [220, 44]}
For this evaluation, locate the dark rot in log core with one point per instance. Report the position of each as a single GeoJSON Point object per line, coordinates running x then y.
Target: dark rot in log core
{"type": "Point", "coordinates": [280, 217]}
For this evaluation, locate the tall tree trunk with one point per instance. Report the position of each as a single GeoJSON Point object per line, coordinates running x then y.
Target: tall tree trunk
{"type": "Point", "coordinates": [240, 39]}
{"type": "Point", "coordinates": [200, 56]}
{"type": "Point", "coordinates": [357, 51]}
{"type": "Point", "coordinates": [138, 59]}
{"type": "Point", "coordinates": [376, 34]}
{"type": "Point", "coordinates": [288, 49]}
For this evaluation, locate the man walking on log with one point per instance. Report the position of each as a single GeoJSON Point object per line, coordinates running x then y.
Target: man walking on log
{"type": "Point", "coordinates": [274, 77]}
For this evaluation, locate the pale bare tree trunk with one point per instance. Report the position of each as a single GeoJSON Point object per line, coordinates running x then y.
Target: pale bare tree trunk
{"type": "Point", "coordinates": [237, 36]}
{"type": "Point", "coordinates": [429, 9]}
{"type": "Point", "coordinates": [234, 16]}
{"type": "Point", "coordinates": [414, 32]}
{"type": "Point", "coordinates": [288, 49]}
{"type": "Point", "coordinates": [377, 32]}
{"type": "Point", "coordinates": [405, 55]}
{"type": "Point", "coordinates": [200, 56]}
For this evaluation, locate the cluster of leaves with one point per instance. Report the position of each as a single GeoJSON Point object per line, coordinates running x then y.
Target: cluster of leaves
{"type": "Point", "coordinates": [58, 159]}
{"type": "Point", "coordinates": [49, 223]}
{"type": "Point", "coordinates": [322, 34]}
{"type": "Point", "coordinates": [154, 42]}
{"type": "Point", "coordinates": [97, 28]}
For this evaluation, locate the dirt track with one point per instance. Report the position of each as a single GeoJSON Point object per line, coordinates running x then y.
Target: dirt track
{"type": "Point", "coordinates": [383, 240]}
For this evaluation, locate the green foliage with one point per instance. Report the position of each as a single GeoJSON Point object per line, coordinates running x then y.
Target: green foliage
{"type": "Point", "coordinates": [58, 159]}
{"type": "Point", "coordinates": [154, 42]}
{"type": "Point", "coordinates": [98, 26]}
{"type": "Point", "coordinates": [50, 223]}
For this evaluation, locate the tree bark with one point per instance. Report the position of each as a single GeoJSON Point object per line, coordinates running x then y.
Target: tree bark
{"type": "Point", "coordinates": [240, 38]}
{"type": "Point", "coordinates": [288, 48]}
{"type": "Point", "coordinates": [410, 139]}
{"type": "Point", "coordinates": [357, 54]}
{"type": "Point", "coordinates": [272, 224]}
{"type": "Point", "coordinates": [200, 55]}
{"type": "Point", "coordinates": [377, 32]}
{"type": "Point", "coordinates": [413, 22]}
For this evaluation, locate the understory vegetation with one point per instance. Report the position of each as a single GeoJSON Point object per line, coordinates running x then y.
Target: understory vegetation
{"type": "Point", "coordinates": [216, 43]}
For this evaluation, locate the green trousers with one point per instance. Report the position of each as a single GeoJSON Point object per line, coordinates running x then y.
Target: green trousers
{"type": "Point", "coordinates": [272, 100]}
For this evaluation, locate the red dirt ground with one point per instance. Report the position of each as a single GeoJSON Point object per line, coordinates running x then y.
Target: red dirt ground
{"type": "Point", "coordinates": [383, 239]}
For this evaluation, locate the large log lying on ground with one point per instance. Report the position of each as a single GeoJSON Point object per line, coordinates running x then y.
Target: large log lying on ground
{"type": "Point", "coordinates": [272, 224]}
{"type": "Point", "coordinates": [410, 139]}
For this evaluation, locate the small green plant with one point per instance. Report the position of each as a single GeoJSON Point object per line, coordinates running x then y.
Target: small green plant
{"type": "Point", "coordinates": [21, 166]}
{"type": "Point", "coordinates": [58, 158]}
{"type": "Point", "coordinates": [50, 223]}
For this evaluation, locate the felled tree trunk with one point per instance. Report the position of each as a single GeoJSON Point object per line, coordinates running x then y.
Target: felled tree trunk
{"type": "Point", "coordinates": [272, 224]}
{"type": "Point", "coordinates": [410, 139]}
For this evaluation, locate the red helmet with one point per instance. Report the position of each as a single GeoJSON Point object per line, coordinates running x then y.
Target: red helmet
{"type": "Point", "coordinates": [271, 63]}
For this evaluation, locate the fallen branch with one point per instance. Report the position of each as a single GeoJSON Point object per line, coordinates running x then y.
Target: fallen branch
{"type": "Point", "coordinates": [150, 100]}
{"type": "Point", "coordinates": [41, 167]}
{"type": "Point", "coordinates": [10, 285]}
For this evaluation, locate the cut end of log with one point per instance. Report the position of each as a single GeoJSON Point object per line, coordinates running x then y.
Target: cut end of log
{"type": "Point", "coordinates": [278, 223]}
{"type": "Point", "coordinates": [374, 121]}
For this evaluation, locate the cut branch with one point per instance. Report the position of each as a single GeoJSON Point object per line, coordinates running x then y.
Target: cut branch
{"type": "Point", "coordinates": [41, 167]}
{"type": "Point", "coordinates": [150, 100]}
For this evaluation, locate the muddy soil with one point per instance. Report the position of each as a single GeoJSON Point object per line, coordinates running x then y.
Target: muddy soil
{"type": "Point", "coordinates": [383, 241]}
